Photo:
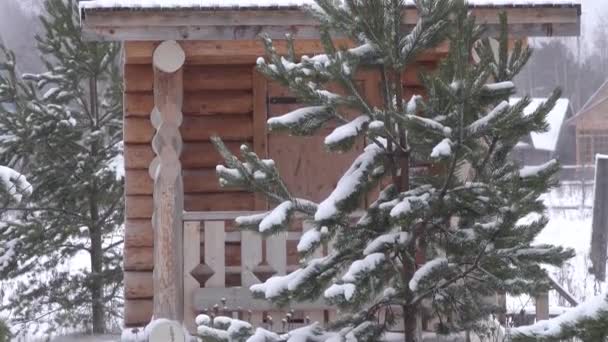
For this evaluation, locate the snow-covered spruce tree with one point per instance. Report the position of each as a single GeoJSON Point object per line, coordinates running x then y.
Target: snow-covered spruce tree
{"type": "Point", "coordinates": [63, 129]}
{"type": "Point", "coordinates": [435, 244]}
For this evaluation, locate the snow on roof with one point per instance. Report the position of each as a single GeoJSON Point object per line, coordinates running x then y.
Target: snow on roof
{"type": "Point", "coordinates": [206, 4]}
{"type": "Point", "coordinates": [547, 140]}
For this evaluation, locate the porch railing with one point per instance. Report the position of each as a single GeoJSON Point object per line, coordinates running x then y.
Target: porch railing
{"type": "Point", "coordinates": [221, 262]}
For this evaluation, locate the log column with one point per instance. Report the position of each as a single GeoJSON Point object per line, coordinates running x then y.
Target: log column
{"type": "Point", "coordinates": [165, 169]}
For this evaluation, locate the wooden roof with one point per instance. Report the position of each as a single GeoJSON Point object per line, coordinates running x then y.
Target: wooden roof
{"type": "Point", "coordinates": [136, 20]}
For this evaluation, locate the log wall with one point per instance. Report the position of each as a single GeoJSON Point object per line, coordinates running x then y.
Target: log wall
{"type": "Point", "coordinates": [222, 92]}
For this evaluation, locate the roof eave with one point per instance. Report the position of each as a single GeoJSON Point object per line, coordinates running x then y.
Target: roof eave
{"type": "Point", "coordinates": [244, 23]}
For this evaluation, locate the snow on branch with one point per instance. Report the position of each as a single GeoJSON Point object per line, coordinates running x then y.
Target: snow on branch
{"type": "Point", "coordinates": [345, 135]}
{"type": "Point", "coordinates": [483, 122]}
{"type": "Point", "coordinates": [533, 171]}
{"type": "Point", "coordinates": [350, 185]}
{"type": "Point", "coordinates": [590, 319]}
{"type": "Point", "coordinates": [301, 121]}
{"type": "Point", "coordinates": [14, 183]}
{"type": "Point", "coordinates": [427, 270]}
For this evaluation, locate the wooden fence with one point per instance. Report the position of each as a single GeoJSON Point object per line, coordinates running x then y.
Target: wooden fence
{"type": "Point", "coordinates": [221, 262]}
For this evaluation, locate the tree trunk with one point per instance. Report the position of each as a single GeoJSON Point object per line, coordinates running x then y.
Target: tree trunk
{"type": "Point", "coordinates": [97, 284]}
{"type": "Point", "coordinates": [410, 324]}
{"type": "Point", "coordinates": [96, 230]}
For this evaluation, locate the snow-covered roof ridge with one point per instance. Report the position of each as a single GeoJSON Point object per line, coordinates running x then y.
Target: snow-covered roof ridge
{"type": "Point", "coordinates": [547, 140]}
{"type": "Point", "coordinates": [270, 4]}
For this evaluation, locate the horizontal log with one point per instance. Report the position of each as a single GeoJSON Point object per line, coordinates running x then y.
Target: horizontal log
{"type": "Point", "coordinates": [208, 102]}
{"type": "Point", "coordinates": [201, 181]}
{"type": "Point", "coordinates": [138, 312]}
{"type": "Point", "coordinates": [239, 51]}
{"type": "Point", "coordinates": [140, 77]}
{"type": "Point", "coordinates": [138, 156]}
{"type": "Point", "coordinates": [137, 130]}
{"type": "Point", "coordinates": [138, 182]}
{"type": "Point", "coordinates": [138, 207]}
{"type": "Point", "coordinates": [195, 155]}
{"type": "Point", "coordinates": [139, 233]}
{"type": "Point", "coordinates": [138, 259]}
{"type": "Point", "coordinates": [219, 201]}
{"type": "Point", "coordinates": [227, 127]}
{"type": "Point", "coordinates": [232, 77]}
{"type": "Point", "coordinates": [138, 285]}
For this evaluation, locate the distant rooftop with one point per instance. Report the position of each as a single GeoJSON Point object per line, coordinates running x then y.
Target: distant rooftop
{"type": "Point", "coordinates": [279, 4]}
{"type": "Point", "coordinates": [547, 140]}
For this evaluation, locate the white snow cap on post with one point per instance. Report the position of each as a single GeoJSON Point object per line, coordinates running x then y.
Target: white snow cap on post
{"type": "Point", "coordinates": [169, 56]}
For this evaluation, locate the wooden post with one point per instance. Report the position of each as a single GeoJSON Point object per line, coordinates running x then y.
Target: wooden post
{"type": "Point", "coordinates": [599, 234]}
{"type": "Point", "coordinates": [165, 169]}
{"type": "Point", "coordinates": [542, 306]}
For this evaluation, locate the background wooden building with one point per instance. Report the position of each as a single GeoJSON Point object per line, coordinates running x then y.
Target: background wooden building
{"type": "Point", "coordinates": [208, 79]}
{"type": "Point", "coordinates": [591, 125]}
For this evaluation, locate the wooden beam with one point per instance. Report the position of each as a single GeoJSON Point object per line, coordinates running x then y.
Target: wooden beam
{"type": "Point", "coordinates": [168, 61]}
{"type": "Point", "coordinates": [248, 24]}
{"type": "Point", "coordinates": [241, 52]}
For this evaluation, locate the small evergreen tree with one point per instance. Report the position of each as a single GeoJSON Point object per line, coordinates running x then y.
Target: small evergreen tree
{"type": "Point", "coordinates": [440, 242]}
{"type": "Point", "coordinates": [63, 128]}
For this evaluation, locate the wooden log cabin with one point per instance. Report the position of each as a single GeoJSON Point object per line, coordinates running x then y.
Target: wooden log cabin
{"type": "Point", "coordinates": [189, 74]}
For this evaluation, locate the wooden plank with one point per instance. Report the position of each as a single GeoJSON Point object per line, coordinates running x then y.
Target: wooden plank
{"type": "Point", "coordinates": [138, 285]}
{"type": "Point", "coordinates": [195, 155]}
{"type": "Point", "coordinates": [205, 298]}
{"type": "Point", "coordinates": [138, 312]}
{"type": "Point", "coordinates": [139, 207]}
{"type": "Point", "coordinates": [276, 253]}
{"type": "Point", "coordinates": [137, 130]}
{"type": "Point", "coordinates": [211, 102]}
{"type": "Point", "coordinates": [192, 253]}
{"type": "Point", "coordinates": [138, 156]}
{"type": "Point", "coordinates": [205, 25]}
{"type": "Point", "coordinates": [138, 182]}
{"type": "Point", "coordinates": [139, 78]}
{"type": "Point", "coordinates": [218, 201]}
{"type": "Point", "coordinates": [139, 233]}
{"type": "Point", "coordinates": [298, 17]}
{"type": "Point", "coordinates": [138, 103]}
{"type": "Point", "coordinates": [198, 155]}
{"type": "Point", "coordinates": [168, 60]}
{"type": "Point", "coordinates": [251, 256]}
{"type": "Point", "coordinates": [138, 259]}
{"type": "Point", "coordinates": [260, 134]}
{"type": "Point", "coordinates": [214, 253]}
{"type": "Point", "coordinates": [214, 52]}
{"type": "Point", "coordinates": [217, 77]}
{"type": "Point", "coordinates": [202, 180]}
{"type": "Point", "coordinates": [228, 127]}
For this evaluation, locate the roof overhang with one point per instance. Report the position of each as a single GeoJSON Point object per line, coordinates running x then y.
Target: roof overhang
{"type": "Point", "coordinates": [246, 23]}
